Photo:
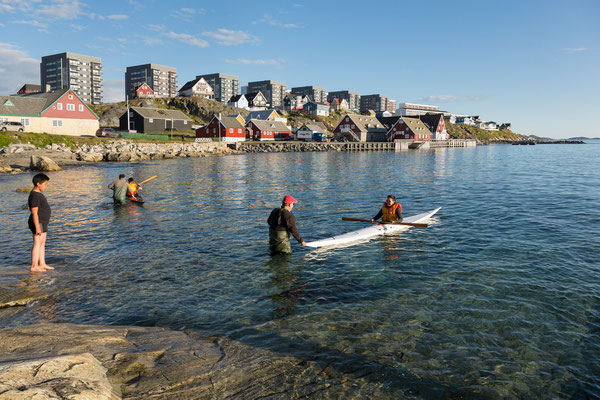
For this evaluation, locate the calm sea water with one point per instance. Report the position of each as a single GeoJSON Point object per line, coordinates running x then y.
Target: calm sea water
{"type": "Point", "coordinates": [499, 296]}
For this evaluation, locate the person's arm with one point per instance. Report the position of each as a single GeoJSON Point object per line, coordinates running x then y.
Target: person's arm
{"type": "Point", "coordinates": [379, 215]}
{"type": "Point", "coordinates": [290, 223]}
{"type": "Point", "coordinates": [36, 220]}
{"type": "Point", "coordinates": [399, 214]}
{"type": "Point", "coordinates": [111, 186]}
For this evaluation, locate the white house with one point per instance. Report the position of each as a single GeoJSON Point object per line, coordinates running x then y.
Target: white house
{"type": "Point", "coordinates": [197, 87]}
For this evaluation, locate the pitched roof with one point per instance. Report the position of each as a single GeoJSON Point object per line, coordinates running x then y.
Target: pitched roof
{"type": "Point", "coordinates": [29, 103]}
{"type": "Point", "coordinates": [367, 123]}
{"type": "Point", "coordinates": [236, 98]}
{"type": "Point", "coordinates": [431, 120]}
{"type": "Point", "coordinates": [230, 122]}
{"type": "Point", "coordinates": [160, 113]}
{"type": "Point", "coordinates": [388, 122]}
{"type": "Point", "coordinates": [315, 126]}
{"type": "Point", "coordinates": [416, 125]}
{"type": "Point", "coordinates": [251, 96]}
{"type": "Point", "coordinates": [264, 114]}
{"type": "Point", "coordinates": [30, 87]}
{"type": "Point", "coordinates": [189, 84]}
{"type": "Point", "coordinates": [274, 126]}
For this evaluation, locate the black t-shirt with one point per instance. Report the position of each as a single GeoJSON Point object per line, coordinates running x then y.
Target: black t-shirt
{"type": "Point", "coordinates": [37, 199]}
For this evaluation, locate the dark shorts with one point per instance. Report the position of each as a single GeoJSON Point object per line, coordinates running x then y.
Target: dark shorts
{"type": "Point", "coordinates": [32, 226]}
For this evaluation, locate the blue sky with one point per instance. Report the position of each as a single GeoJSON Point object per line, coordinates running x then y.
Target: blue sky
{"type": "Point", "coordinates": [535, 64]}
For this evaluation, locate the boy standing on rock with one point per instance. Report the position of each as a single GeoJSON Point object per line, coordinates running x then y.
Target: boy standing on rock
{"type": "Point", "coordinates": [38, 222]}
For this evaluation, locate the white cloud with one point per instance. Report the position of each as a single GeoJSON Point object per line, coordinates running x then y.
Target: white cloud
{"type": "Point", "coordinates": [77, 27]}
{"type": "Point", "coordinates": [227, 37]}
{"type": "Point", "coordinates": [114, 90]}
{"type": "Point", "coordinates": [267, 19]}
{"type": "Point", "coordinates": [156, 28]}
{"type": "Point", "coordinates": [117, 17]}
{"type": "Point", "coordinates": [446, 98]}
{"type": "Point", "coordinates": [187, 39]}
{"type": "Point", "coordinates": [187, 14]}
{"type": "Point", "coordinates": [573, 49]}
{"type": "Point", "coordinates": [60, 9]}
{"type": "Point", "coordinates": [33, 22]}
{"type": "Point", "coordinates": [245, 61]}
{"type": "Point", "coordinates": [17, 68]}
{"type": "Point", "coordinates": [151, 41]}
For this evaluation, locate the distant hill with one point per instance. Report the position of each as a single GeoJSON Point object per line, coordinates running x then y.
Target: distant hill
{"type": "Point", "coordinates": [583, 138]}
{"type": "Point", "coordinates": [463, 131]}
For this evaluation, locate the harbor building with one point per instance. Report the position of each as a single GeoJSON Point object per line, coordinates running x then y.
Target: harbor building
{"type": "Point", "coordinates": [273, 91]}
{"type": "Point", "coordinates": [82, 74]}
{"type": "Point", "coordinates": [161, 79]}
{"type": "Point", "coordinates": [224, 86]}
{"type": "Point", "coordinates": [411, 109]}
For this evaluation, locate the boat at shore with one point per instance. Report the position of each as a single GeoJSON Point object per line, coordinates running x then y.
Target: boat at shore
{"type": "Point", "coordinates": [371, 231]}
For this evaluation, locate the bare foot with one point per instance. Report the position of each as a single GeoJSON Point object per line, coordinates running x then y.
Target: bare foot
{"type": "Point", "coordinates": [37, 269]}
{"type": "Point", "coordinates": [46, 267]}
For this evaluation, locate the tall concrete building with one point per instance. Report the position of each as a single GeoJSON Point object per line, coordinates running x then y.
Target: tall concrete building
{"type": "Point", "coordinates": [375, 102]}
{"type": "Point", "coordinates": [223, 85]}
{"type": "Point", "coordinates": [273, 91]}
{"type": "Point", "coordinates": [353, 98]}
{"type": "Point", "coordinates": [162, 80]}
{"type": "Point", "coordinates": [82, 74]}
{"type": "Point", "coordinates": [316, 93]}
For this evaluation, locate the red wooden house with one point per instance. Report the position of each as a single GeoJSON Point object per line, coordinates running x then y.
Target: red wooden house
{"type": "Point", "coordinates": [142, 90]}
{"type": "Point", "coordinates": [267, 130]}
{"type": "Point", "coordinates": [435, 124]}
{"type": "Point", "coordinates": [227, 129]}
{"type": "Point", "coordinates": [409, 128]}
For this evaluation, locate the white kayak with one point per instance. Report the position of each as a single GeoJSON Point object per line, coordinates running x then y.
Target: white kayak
{"type": "Point", "coordinates": [373, 230]}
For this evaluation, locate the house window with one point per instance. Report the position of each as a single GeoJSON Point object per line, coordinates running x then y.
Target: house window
{"type": "Point", "coordinates": [185, 122]}
{"type": "Point", "coordinates": [25, 121]}
{"type": "Point", "coordinates": [59, 106]}
{"type": "Point", "coordinates": [56, 122]}
{"type": "Point", "coordinates": [230, 130]}
{"type": "Point", "coordinates": [240, 130]}
{"type": "Point", "coordinates": [81, 107]}
{"type": "Point", "coordinates": [214, 130]}
{"type": "Point", "coordinates": [71, 96]}
{"type": "Point", "coordinates": [151, 120]}
{"type": "Point", "coordinates": [70, 107]}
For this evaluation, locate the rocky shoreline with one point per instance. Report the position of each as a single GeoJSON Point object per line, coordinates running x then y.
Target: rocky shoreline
{"type": "Point", "coordinates": [20, 157]}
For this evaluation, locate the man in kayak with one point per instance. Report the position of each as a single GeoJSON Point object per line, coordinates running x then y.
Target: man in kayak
{"type": "Point", "coordinates": [120, 189]}
{"type": "Point", "coordinates": [132, 192]}
{"type": "Point", "coordinates": [282, 223]}
{"type": "Point", "coordinates": [390, 212]}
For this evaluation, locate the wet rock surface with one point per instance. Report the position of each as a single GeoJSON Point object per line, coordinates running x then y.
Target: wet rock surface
{"type": "Point", "coordinates": [76, 376]}
{"type": "Point", "coordinates": [156, 363]}
{"type": "Point", "coordinates": [43, 163]}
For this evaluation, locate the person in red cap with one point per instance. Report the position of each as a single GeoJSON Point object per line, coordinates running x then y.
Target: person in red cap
{"type": "Point", "coordinates": [282, 223]}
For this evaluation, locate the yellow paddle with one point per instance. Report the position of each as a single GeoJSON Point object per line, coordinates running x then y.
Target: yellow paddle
{"type": "Point", "coordinates": [417, 225]}
{"type": "Point", "coordinates": [149, 179]}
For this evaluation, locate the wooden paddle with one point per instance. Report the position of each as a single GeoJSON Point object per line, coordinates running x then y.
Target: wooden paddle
{"type": "Point", "coordinates": [416, 225]}
{"type": "Point", "coordinates": [149, 179]}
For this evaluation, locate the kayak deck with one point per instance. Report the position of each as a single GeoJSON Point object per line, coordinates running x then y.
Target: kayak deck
{"type": "Point", "coordinates": [370, 231]}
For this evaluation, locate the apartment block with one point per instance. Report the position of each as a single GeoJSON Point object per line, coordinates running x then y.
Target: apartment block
{"type": "Point", "coordinates": [162, 80]}
{"type": "Point", "coordinates": [224, 86]}
{"type": "Point", "coordinates": [316, 93]}
{"type": "Point", "coordinates": [375, 102]}
{"type": "Point", "coordinates": [274, 91]}
{"type": "Point", "coordinates": [353, 98]}
{"type": "Point", "coordinates": [82, 74]}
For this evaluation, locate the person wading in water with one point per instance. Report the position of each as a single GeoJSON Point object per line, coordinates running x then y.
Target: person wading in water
{"type": "Point", "coordinates": [282, 223]}
{"type": "Point", "coordinates": [391, 211]}
{"type": "Point", "coordinates": [120, 189]}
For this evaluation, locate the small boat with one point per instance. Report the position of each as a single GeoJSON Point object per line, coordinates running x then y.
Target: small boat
{"type": "Point", "coordinates": [137, 200]}
{"type": "Point", "coordinates": [371, 231]}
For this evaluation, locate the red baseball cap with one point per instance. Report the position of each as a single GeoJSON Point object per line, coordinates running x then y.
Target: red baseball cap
{"type": "Point", "coordinates": [289, 200]}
